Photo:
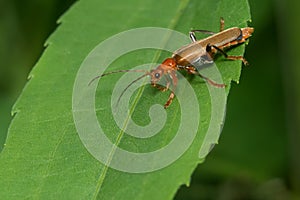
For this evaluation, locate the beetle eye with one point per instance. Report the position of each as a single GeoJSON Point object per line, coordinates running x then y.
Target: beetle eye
{"type": "Point", "coordinates": [157, 75]}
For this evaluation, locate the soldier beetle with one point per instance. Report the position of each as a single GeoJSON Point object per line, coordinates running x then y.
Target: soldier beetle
{"type": "Point", "coordinates": [192, 56]}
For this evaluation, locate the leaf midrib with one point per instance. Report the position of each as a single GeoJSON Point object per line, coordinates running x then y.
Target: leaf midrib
{"type": "Point", "coordinates": [174, 21]}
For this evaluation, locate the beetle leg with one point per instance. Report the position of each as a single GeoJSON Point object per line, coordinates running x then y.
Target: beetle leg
{"type": "Point", "coordinates": [191, 70]}
{"type": "Point", "coordinates": [171, 97]}
{"type": "Point", "coordinates": [163, 88]}
{"type": "Point", "coordinates": [192, 32]}
{"type": "Point", "coordinates": [209, 49]}
{"type": "Point", "coordinates": [193, 36]}
{"type": "Point", "coordinates": [222, 24]}
{"type": "Point", "coordinates": [174, 79]}
{"type": "Point", "coordinates": [211, 82]}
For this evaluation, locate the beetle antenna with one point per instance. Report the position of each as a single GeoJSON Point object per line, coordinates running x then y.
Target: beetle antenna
{"type": "Point", "coordinates": [139, 78]}
{"type": "Point", "coordinates": [113, 72]}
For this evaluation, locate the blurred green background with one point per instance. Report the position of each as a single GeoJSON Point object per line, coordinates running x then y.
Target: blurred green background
{"type": "Point", "coordinates": [257, 157]}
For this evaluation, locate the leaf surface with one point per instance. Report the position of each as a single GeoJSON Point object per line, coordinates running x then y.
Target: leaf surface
{"type": "Point", "coordinates": [44, 157]}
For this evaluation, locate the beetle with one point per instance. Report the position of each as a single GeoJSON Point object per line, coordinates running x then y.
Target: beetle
{"type": "Point", "coordinates": [192, 56]}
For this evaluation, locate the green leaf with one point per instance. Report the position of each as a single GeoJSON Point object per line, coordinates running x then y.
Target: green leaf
{"type": "Point", "coordinates": [44, 157]}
